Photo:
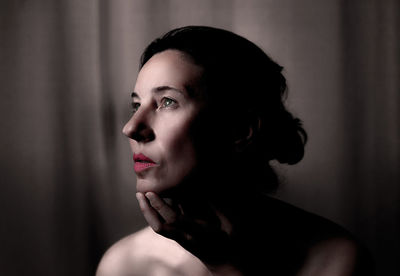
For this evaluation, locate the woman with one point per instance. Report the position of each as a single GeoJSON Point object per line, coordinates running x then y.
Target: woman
{"type": "Point", "coordinates": [208, 117]}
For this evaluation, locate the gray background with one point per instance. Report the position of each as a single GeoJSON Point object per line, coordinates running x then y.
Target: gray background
{"type": "Point", "coordinates": [66, 70]}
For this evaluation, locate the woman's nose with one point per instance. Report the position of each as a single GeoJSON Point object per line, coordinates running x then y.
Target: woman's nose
{"type": "Point", "coordinates": [139, 128]}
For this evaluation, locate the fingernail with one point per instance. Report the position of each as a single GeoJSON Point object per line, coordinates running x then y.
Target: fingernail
{"type": "Point", "coordinates": [148, 195]}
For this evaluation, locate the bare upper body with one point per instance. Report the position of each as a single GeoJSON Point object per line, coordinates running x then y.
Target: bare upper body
{"type": "Point", "coordinates": [332, 253]}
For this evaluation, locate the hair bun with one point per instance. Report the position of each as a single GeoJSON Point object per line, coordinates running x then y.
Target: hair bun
{"type": "Point", "coordinates": [289, 140]}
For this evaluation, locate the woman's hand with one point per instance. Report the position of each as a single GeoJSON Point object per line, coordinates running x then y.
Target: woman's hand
{"type": "Point", "coordinates": [198, 231]}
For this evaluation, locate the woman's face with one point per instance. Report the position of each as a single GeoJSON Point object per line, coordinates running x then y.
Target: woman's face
{"type": "Point", "coordinates": [167, 102]}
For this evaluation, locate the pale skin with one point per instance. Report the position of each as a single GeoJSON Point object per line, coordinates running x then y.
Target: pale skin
{"type": "Point", "coordinates": [167, 102]}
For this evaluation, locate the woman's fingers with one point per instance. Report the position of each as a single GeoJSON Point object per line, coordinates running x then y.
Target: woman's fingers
{"type": "Point", "coordinates": [163, 209]}
{"type": "Point", "coordinates": [158, 214]}
{"type": "Point", "coordinates": [197, 230]}
{"type": "Point", "coordinates": [149, 213]}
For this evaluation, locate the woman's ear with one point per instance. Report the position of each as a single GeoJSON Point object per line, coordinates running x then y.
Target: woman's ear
{"type": "Point", "coordinates": [246, 131]}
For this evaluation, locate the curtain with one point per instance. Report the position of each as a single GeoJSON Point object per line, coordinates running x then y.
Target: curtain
{"type": "Point", "coordinates": [66, 71]}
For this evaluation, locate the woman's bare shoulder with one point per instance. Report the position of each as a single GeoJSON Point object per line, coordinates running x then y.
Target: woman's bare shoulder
{"type": "Point", "coordinates": [147, 253]}
{"type": "Point", "coordinates": [329, 249]}
{"type": "Point", "coordinates": [337, 256]}
{"type": "Point", "coordinates": [122, 257]}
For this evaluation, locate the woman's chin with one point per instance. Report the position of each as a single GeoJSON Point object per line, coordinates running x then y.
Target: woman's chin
{"type": "Point", "coordinates": [145, 185]}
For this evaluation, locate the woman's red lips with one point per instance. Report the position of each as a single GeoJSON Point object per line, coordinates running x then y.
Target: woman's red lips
{"type": "Point", "coordinates": [142, 162]}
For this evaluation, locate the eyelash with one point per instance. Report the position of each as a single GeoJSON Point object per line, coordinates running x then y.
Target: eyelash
{"type": "Point", "coordinates": [163, 104]}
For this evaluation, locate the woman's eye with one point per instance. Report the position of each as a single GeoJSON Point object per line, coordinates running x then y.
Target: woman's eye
{"type": "Point", "coordinates": [135, 107]}
{"type": "Point", "coordinates": [167, 103]}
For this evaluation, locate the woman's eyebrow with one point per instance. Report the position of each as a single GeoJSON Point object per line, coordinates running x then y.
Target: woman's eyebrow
{"type": "Point", "coordinates": [163, 88]}
{"type": "Point", "coordinates": [166, 87]}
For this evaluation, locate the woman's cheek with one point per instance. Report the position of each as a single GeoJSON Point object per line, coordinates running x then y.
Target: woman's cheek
{"type": "Point", "coordinates": [180, 159]}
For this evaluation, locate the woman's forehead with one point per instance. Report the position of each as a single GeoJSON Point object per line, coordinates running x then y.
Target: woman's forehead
{"type": "Point", "coordinates": [169, 69]}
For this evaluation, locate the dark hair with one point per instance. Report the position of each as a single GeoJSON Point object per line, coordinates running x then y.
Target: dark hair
{"type": "Point", "coordinates": [235, 68]}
